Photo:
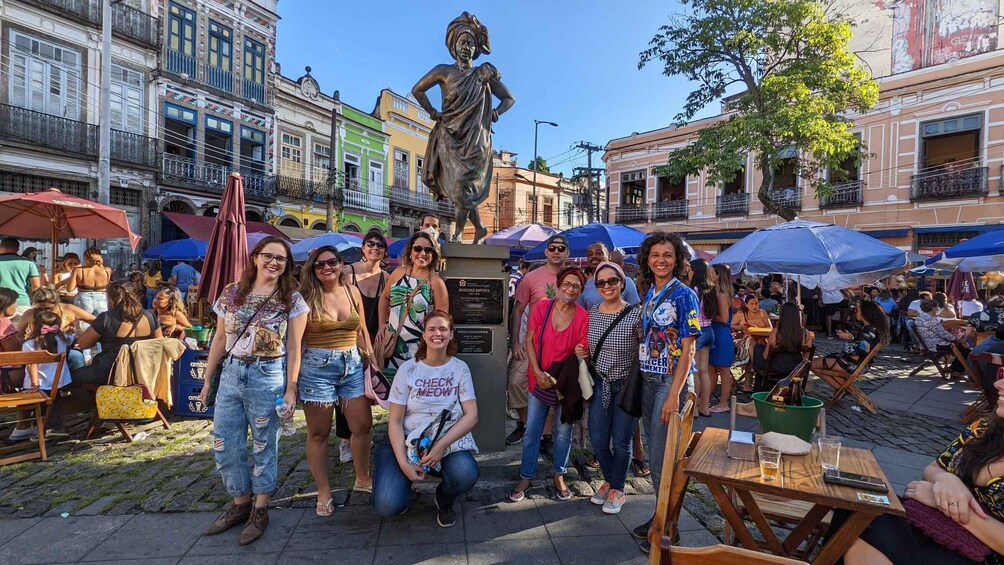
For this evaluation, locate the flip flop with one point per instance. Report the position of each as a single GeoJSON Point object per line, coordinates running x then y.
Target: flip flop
{"type": "Point", "coordinates": [515, 495]}
{"type": "Point", "coordinates": [562, 494]}
{"type": "Point", "coordinates": [358, 488]}
{"type": "Point", "coordinates": [326, 509]}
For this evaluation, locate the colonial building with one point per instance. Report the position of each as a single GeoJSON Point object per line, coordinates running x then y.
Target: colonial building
{"type": "Point", "coordinates": [511, 197]}
{"type": "Point", "coordinates": [361, 164]}
{"type": "Point", "coordinates": [935, 174]}
{"type": "Point", "coordinates": [215, 106]}
{"type": "Point", "coordinates": [50, 61]}
{"type": "Point", "coordinates": [408, 127]}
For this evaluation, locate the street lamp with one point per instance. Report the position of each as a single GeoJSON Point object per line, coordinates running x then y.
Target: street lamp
{"type": "Point", "coordinates": [536, 124]}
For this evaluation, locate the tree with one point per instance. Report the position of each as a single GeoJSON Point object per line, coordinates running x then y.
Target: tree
{"type": "Point", "coordinates": [799, 84]}
{"type": "Point", "coordinates": [541, 165]}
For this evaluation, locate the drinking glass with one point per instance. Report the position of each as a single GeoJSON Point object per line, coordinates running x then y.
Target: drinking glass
{"type": "Point", "coordinates": [770, 463]}
{"type": "Point", "coordinates": [829, 452]}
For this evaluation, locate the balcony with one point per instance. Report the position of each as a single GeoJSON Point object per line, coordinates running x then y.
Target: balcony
{"type": "Point", "coordinates": [302, 189]}
{"type": "Point", "coordinates": [219, 79]}
{"type": "Point", "coordinates": [259, 186]}
{"type": "Point", "coordinates": [964, 183]}
{"type": "Point", "coordinates": [366, 201]}
{"type": "Point", "coordinates": [670, 210]}
{"type": "Point", "coordinates": [789, 197]}
{"type": "Point", "coordinates": [632, 214]}
{"type": "Point", "coordinates": [420, 202]}
{"type": "Point", "coordinates": [52, 132]}
{"type": "Point", "coordinates": [191, 173]}
{"type": "Point", "coordinates": [844, 195]}
{"type": "Point", "coordinates": [181, 64]}
{"type": "Point", "coordinates": [255, 91]}
{"type": "Point", "coordinates": [732, 204]}
{"type": "Point", "coordinates": [126, 21]}
{"type": "Point", "coordinates": [134, 148]}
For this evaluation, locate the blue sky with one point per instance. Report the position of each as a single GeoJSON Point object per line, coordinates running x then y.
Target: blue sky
{"type": "Point", "coordinates": [570, 62]}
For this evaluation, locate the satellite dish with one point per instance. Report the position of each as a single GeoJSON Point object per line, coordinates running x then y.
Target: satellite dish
{"type": "Point", "coordinates": [276, 210]}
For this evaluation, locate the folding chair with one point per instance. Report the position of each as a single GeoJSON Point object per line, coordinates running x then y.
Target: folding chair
{"type": "Point", "coordinates": [31, 400]}
{"type": "Point", "coordinates": [932, 357]}
{"type": "Point", "coordinates": [720, 555]}
{"type": "Point", "coordinates": [844, 383]}
{"type": "Point", "coordinates": [680, 443]}
{"type": "Point", "coordinates": [987, 399]}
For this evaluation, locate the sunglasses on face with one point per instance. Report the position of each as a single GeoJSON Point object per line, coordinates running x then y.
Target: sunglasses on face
{"type": "Point", "coordinates": [329, 263]}
{"type": "Point", "coordinates": [268, 258]}
{"type": "Point", "coordinates": [612, 281]}
{"type": "Point", "coordinates": [556, 248]}
{"type": "Point", "coordinates": [376, 243]}
{"type": "Point", "coordinates": [423, 249]}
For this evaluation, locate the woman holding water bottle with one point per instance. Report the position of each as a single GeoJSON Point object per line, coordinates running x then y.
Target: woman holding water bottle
{"type": "Point", "coordinates": [260, 321]}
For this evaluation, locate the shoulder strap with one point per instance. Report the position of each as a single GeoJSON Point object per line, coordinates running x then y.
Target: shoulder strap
{"type": "Point", "coordinates": [352, 303]}
{"type": "Point", "coordinates": [599, 344]}
{"type": "Point", "coordinates": [543, 326]}
{"type": "Point", "coordinates": [353, 274]}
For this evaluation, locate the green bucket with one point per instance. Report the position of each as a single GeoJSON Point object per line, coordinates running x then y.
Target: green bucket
{"type": "Point", "coordinates": [200, 333]}
{"type": "Point", "coordinates": [792, 420]}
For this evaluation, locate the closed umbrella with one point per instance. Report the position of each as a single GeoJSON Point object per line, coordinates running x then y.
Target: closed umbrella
{"type": "Point", "coordinates": [614, 236]}
{"type": "Point", "coordinates": [178, 250]}
{"type": "Point", "coordinates": [962, 286]}
{"type": "Point", "coordinates": [815, 254]}
{"type": "Point", "coordinates": [227, 251]}
{"type": "Point", "coordinates": [982, 253]}
{"type": "Point", "coordinates": [523, 236]}
{"type": "Point", "coordinates": [53, 215]}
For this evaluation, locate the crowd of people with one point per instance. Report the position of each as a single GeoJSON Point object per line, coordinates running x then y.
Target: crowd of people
{"type": "Point", "coordinates": [313, 335]}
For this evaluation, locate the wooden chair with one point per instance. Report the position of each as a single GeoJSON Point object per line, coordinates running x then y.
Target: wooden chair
{"type": "Point", "coordinates": [940, 359]}
{"type": "Point", "coordinates": [765, 379]}
{"type": "Point", "coordinates": [844, 383]}
{"type": "Point", "coordinates": [720, 555]}
{"type": "Point", "coordinates": [987, 399]}
{"type": "Point", "coordinates": [680, 443]}
{"type": "Point", "coordinates": [31, 400]}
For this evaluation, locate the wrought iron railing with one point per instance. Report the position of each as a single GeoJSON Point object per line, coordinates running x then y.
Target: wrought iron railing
{"type": "Point", "coordinates": [251, 90]}
{"type": "Point", "coordinates": [133, 148]}
{"type": "Point", "coordinates": [302, 189]}
{"type": "Point", "coordinates": [191, 172]}
{"type": "Point", "coordinates": [631, 214]}
{"type": "Point", "coordinates": [135, 24]}
{"type": "Point", "coordinates": [789, 197]}
{"type": "Point", "coordinates": [732, 204]}
{"type": "Point", "coordinates": [844, 195]}
{"type": "Point", "coordinates": [259, 186]}
{"type": "Point", "coordinates": [182, 64]}
{"type": "Point", "coordinates": [936, 185]}
{"type": "Point", "coordinates": [219, 78]}
{"type": "Point", "coordinates": [37, 128]}
{"type": "Point", "coordinates": [366, 201]}
{"type": "Point", "coordinates": [670, 210]}
{"type": "Point", "coordinates": [89, 10]}
{"type": "Point", "coordinates": [420, 201]}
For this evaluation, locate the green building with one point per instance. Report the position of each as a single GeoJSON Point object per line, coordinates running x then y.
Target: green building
{"type": "Point", "coordinates": [362, 155]}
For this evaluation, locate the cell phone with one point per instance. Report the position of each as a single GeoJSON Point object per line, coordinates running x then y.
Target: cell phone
{"type": "Point", "coordinates": [843, 478]}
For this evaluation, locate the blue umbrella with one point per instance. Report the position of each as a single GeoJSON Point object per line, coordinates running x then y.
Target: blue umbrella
{"type": "Point", "coordinates": [394, 250]}
{"type": "Point", "coordinates": [340, 241]}
{"type": "Point", "coordinates": [523, 235]}
{"type": "Point", "coordinates": [177, 250]}
{"type": "Point", "coordinates": [982, 253]}
{"type": "Point", "coordinates": [615, 236]}
{"type": "Point", "coordinates": [818, 255]}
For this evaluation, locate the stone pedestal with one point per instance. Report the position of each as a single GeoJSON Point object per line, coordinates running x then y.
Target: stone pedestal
{"type": "Point", "coordinates": [478, 284]}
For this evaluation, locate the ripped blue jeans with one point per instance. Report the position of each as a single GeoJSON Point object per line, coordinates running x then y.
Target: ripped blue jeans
{"type": "Point", "coordinates": [246, 399]}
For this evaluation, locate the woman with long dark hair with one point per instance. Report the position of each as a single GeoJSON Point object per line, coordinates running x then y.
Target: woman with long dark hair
{"type": "Point", "coordinates": [723, 353]}
{"type": "Point", "coordinates": [124, 323]}
{"type": "Point", "coordinates": [874, 332]}
{"type": "Point", "coordinates": [170, 310]}
{"type": "Point", "coordinates": [259, 326]}
{"type": "Point", "coordinates": [964, 486]}
{"type": "Point", "coordinates": [707, 301]}
{"type": "Point", "coordinates": [786, 345]}
{"type": "Point", "coordinates": [332, 369]}
{"type": "Point", "coordinates": [670, 328]}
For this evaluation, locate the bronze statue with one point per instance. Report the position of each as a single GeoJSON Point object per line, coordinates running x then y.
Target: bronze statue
{"type": "Point", "coordinates": [458, 159]}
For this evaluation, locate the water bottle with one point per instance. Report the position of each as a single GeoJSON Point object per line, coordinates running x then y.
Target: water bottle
{"type": "Point", "coordinates": [288, 425]}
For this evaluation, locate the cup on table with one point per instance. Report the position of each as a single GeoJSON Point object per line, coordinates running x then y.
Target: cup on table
{"type": "Point", "coordinates": [829, 452]}
{"type": "Point", "coordinates": [770, 463]}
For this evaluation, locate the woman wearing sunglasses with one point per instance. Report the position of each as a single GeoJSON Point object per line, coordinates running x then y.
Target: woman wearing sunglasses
{"type": "Point", "coordinates": [413, 291]}
{"type": "Point", "coordinates": [332, 369]}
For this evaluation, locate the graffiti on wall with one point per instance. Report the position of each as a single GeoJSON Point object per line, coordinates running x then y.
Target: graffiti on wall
{"type": "Point", "coordinates": [932, 32]}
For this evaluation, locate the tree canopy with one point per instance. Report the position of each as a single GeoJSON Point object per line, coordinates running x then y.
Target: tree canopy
{"type": "Point", "coordinates": [797, 84]}
{"type": "Point", "coordinates": [541, 165]}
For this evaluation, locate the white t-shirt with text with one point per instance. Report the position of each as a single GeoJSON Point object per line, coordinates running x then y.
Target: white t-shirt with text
{"type": "Point", "coordinates": [426, 391]}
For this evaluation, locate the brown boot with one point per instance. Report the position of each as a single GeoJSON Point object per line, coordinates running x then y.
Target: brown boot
{"type": "Point", "coordinates": [236, 514]}
{"type": "Point", "coordinates": [256, 526]}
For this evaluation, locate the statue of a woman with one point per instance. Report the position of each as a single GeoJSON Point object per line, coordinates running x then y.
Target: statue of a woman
{"type": "Point", "coordinates": [458, 159]}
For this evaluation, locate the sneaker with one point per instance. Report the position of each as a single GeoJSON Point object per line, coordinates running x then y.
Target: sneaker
{"type": "Point", "coordinates": [57, 433]}
{"type": "Point", "coordinates": [641, 532]}
{"type": "Point", "coordinates": [447, 516]}
{"type": "Point", "coordinates": [517, 435]}
{"type": "Point", "coordinates": [614, 502]}
{"type": "Point", "coordinates": [255, 527]}
{"type": "Point", "coordinates": [23, 435]}
{"type": "Point", "coordinates": [345, 452]}
{"type": "Point", "coordinates": [601, 494]}
{"type": "Point", "coordinates": [236, 514]}
{"type": "Point", "coordinates": [547, 447]}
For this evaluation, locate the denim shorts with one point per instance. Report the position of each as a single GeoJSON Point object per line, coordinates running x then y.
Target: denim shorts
{"type": "Point", "coordinates": [706, 340]}
{"type": "Point", "coordinates": [326, 376]}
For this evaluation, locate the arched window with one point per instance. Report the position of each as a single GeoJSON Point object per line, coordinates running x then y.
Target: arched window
{"type": "Point", "coordinates": [252, 216]}
{"type": "Point", "coordinates": [351, 228]}
{"type": "Point", "coordinates": [290, 223]}
{"type": "Point", "coordinates": [178, 206]}
{"type": "Point", "coordinates": [319, 225]}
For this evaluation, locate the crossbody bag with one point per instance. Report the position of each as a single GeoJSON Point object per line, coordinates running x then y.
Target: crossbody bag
{"type": "Point", "coordinates": [214, 385]}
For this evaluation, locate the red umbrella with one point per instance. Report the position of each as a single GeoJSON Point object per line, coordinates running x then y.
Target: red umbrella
{"type": "Point", "coordinates": [227, 251]}
{"type": "Point", "coordinates": [962, 286]}
{"type": "Point", "coordinates": [53, 215]}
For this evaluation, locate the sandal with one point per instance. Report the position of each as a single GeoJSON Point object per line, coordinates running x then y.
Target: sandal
{"type": "Point", "coordinates": [640, 468]}
{"type": "Point", "coordinates": [562, 493]}
{"type": "Point", "coordinates": [357, 488]}
{"type": "Point", "coordinates": [326, 509]}
{"type": "Point", "coordinates": [515, 495]}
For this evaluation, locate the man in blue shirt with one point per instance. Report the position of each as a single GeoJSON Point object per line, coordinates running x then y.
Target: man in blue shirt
{"type": "Point", "coordinates": [183, 276]}
{"type": "Point", "coordinates": [597, 253]}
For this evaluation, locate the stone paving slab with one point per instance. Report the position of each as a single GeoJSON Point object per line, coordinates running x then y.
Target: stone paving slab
{"type": "Point", "coordinates": [60, 540]}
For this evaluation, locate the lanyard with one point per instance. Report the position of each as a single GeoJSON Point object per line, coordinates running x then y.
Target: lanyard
{"type": "Point", "coordinates": [650, 305]}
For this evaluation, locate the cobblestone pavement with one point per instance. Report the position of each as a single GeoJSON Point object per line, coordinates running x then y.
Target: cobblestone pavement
{"type": "Point", "coordinates": [173, 471]}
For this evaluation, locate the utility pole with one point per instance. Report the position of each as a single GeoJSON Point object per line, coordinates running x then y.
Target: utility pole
{"type": "Point", "coordinates": [333, 166]}
{"type": "Point", "coordinates": [104, 120]}
{"type": "Point", "coordinates": [590, 171]}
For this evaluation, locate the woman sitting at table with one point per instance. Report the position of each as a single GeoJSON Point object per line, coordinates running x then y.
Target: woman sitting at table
{"type": "Point", "coordinates": [786, 345]}
{"type": "Point", "coordinates": [874, 332]}
{"type": "Point", "coordinates": [170, 310]}
{"type": "Point", "coordinates": [966, 484]}
{"type": "Point", "coordinates": [944, 310]}
{"type": "Point", "coordinates": [750, 316]}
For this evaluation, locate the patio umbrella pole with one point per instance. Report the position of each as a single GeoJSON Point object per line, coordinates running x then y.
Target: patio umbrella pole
{"type": "Point", "coordinates": [55, 246]}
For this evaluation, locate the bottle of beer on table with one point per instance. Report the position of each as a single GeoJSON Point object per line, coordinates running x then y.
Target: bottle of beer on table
{"type": "Point", "coordinates": [788, 391]}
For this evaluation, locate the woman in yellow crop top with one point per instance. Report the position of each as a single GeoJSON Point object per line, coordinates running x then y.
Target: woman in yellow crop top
{"type": "Point", "coordinates": [332, 369]}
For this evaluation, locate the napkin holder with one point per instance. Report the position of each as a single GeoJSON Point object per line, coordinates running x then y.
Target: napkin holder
{"type": "Point", "coordinates": [742, 445]}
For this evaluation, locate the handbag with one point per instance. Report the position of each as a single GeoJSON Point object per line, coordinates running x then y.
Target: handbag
{"type": "Point", "coordinates": [376, 387]}
{"type": "Point", "coordinates": [629, 399]}
{"type": "Point", "coordinates": [945, 531]}
{"type": "Point", "coordinates": [129, 403]}
{"type": "Point", "coordinates": [214, 383]}
{"type": "Point", "coordinates": [585, 380]}
{"type": "Point", "coordinates": [384, 350]}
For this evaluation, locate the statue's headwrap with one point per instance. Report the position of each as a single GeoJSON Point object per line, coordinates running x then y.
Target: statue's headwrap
{"type": "Point", "coordinates": [467, 23]}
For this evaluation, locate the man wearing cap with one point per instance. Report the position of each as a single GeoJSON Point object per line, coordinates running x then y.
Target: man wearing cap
{"type": "Point", "coordinates": [597, 253]}
{"type": "Point", "coordinates": [535, 286]}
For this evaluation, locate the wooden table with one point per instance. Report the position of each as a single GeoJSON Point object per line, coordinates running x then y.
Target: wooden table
{"type": "Point", "coordinates": [801, 479]}
{"type": "Point", "coordinates": [765, 332]}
